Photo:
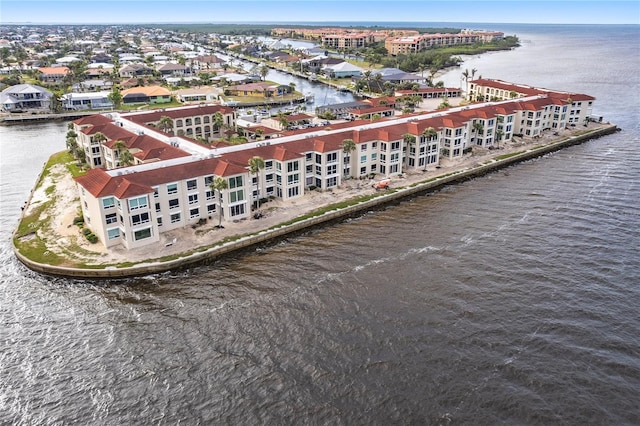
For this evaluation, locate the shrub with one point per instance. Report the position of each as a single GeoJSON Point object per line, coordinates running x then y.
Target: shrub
{"type": "Point", "coordinates": [78, 220]}
{"type": "Point", "coordinates": [92, 238]}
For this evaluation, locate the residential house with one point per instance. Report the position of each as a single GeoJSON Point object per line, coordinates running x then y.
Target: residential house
{"type": "Point", "coordinates": [342, 70]}
{"type": "Point", "coordinates": [134, 70]}
{"type": "Point", "coordinates": [86, 101]}
{"type": "Point", "coordinates": [175, 70]}
{"type": "Point", "coordinates": [25, 97]}
{"type": "Point", "coordinates": [150, 94]}
{"type": "Point", "coordinates": [53, 75]}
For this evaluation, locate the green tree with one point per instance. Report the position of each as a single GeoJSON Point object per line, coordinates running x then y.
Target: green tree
{"type": "Point", "coordinates": [499, 134]}
{"type": "Point", "coordinates": [218, 122]}
{"type": "Point", "coordinates": [348, 146]}
{"type": "Point", "coordinates": [99, 137]}
{"type": "Point", "coordinates": [165, 124]}
{"type": "Point", "coordinates": [219, 184]}
{"type": "Point", "coordinates": [478, 128]}
{"type": "Point", "coordinates": [126, 158]}
{"type": "Point", "coordinates": [409, 140]}
{"type": "Point", "coordinates": [264, 70]}
{"type": "Point", "coordinates": [115, 96]}
{"type": "Point", "coordinates": [429, 133]}
{"type": "Point", "coordinates": [255, 165]}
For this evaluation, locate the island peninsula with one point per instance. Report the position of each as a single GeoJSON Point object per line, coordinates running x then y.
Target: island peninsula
{"type": "Point", "coordinates": [202, 202]}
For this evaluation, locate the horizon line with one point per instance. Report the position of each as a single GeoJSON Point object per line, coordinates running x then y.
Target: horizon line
{"type": "Point", "coordinates": [308, 22]}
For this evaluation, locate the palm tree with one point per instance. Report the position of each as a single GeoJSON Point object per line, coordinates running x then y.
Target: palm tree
{"type": "Point", "coordinates": [120, 147]}
{"type": "Point", "coordinates": [429, 132]}
{"type": "Point", "coordinates": [99, 137]}
{"type": "Point", "coordinates": [499, 134]}
{"type": "Point", "coordinates": [367, 78]}
{"type": "Point", "coordinates": [126, 158]}
{"type": "Point", "coordinates": [282, 119]}
{"type": "Point", "coordinates": [255, 165]}
{"type": "Point", "coordinates": [218, 121]}
{"type": "Point", "coordinates": [165, 124]}
{"type": "Point", "coordinates": [348, 146]}
{"type": "Point", "coordinates": [409, 140]}
{"type": "Point", "coordinates": [264, 70]}
{"type": "Point", "coordinates": [219, 184]}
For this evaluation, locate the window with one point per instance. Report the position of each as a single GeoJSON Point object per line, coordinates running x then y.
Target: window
{"type": "Point", "coordinates": [237, 210]}
{"type": "Point", "coordinates": [374, 156]}
{"type": "Point", "coordinates": [309, 156]}
{"type": "Point", "coordinates": [173, 204]}
{"type": "Point", "coordinates": [142, 234]}
{"type": "Point", "coordinates": [235, 182]}
{"type": "Point", "coordinates": [138, 203]}
{"type": "Point", "coordinates": [293, 192]}
{"type": "Point", "coordinates": [363, 158]}
{"type": "Point", "coordinates": [155, 192]}
{"type": "Point", "coordinates": [395, 146]}
{"type": "Point", "coordinates": [193, 213]}
{"type": "Point", "coordinates": [292, 166]}
{"type": "Point", "coordinates": [108, 202]}
{"type": "Point", "coordinates": [172, 188]}
{"type": "Point", "coordinates": [157, 207]}
{"type": "Point", "coordinates": [293, 179]}
{"type": "Point", "coordinates": [192, 184]}
{"type": "Point", "coordinates": [332, 170]}
{"type": "Point", "coordinates": [268, 164]}
{"type": "Point", "coordinates": [175, 217]}
{"type": "Point", "coordinates": [235, 196]}
{"type": "Point", "coordinates": [209, 195]}
{"type": "Point", "coordinates": [363, 170]}
{"type": "Point", "coordinates": [269, 177]}
{"type": "Point", "coordinates": [332, 157]}
{"type": "Point", "coordinates": [138, 219]}
{"type": "Point", "coordinates": [112, 234]}
{"type": "Point", "coordinates": [211, 208]}
{"type": "Point", "coordinates": [111, 218]}
{"type": "Point", "coordinates": [363, 147]}
{"type": "Point", "coordinates": [318, 159]}
{"type": "Point", "coordinates": [159, 219]}
{"type": "Point", "coordinates": [193, 199]}
{"type": "Point", "coordinates": [208, 180]}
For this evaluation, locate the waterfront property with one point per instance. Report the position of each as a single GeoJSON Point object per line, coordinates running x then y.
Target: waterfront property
{"type": "Point", "coordinates": [132, 206]}
{"type": "Point", "coordinates": [25, 97]}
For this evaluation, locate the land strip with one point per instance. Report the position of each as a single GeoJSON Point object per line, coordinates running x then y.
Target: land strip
{"type": "Point", "coordinates": [47, 241]}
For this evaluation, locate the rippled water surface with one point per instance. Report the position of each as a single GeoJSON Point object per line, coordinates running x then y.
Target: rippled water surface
{"type": "Point", "coordinates": [509, 299]}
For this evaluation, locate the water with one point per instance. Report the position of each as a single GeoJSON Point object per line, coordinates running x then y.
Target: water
{"type": "Point", "coordinates": [509, 299]}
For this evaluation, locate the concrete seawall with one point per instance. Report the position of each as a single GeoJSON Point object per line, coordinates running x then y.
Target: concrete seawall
{"type": "Point", "coordinates": [269, 236]}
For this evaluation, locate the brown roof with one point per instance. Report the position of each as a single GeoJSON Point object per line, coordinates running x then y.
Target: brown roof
{"type": "Point", "coordinates": [100, 184]}
{"type": "Point", "coordinates": [154, 116]}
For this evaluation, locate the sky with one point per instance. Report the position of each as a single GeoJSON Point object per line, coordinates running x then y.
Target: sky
{"type": "Point", "coordinates": [307, 11]}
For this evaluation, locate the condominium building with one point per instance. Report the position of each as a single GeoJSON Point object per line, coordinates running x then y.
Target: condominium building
{"type": "Point", "coordinates": [131, 206]}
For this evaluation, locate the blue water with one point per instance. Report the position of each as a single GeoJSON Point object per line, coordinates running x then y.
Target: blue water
{"type": "Point", "coordinates": [510, 299]}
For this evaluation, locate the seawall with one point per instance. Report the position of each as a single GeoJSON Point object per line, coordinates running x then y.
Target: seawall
{"type": "Point", "coordinates": [269, 236]}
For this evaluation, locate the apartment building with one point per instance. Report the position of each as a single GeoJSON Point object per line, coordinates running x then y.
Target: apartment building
{"type": "Point", "coordinates": [407, 45]}
{"type": "Point", "coordinates": [132, 206]}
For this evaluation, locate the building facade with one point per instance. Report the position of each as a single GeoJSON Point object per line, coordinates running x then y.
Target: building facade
{"type": "Point", "coordinates": [132, 206]}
